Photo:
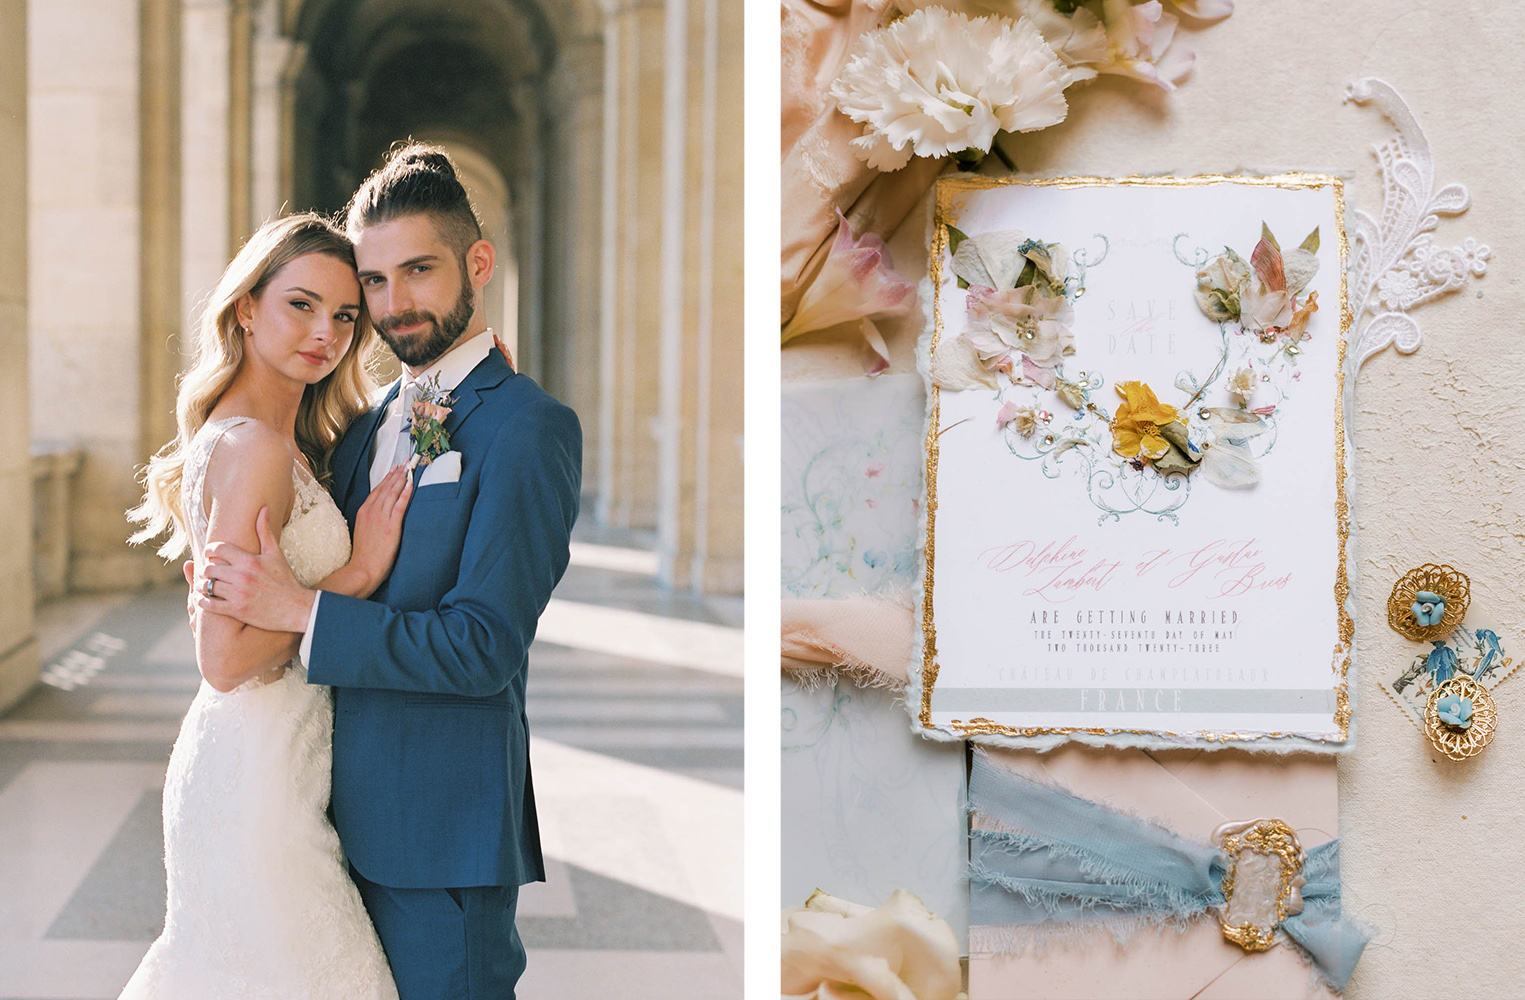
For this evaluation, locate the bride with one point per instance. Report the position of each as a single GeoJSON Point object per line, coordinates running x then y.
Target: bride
{"type": "Point", "coordinates": [260, 903]}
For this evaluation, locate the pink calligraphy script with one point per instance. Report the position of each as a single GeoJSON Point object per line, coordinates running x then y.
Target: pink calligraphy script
{"type": "Point", "coordinates": [1058, 571]}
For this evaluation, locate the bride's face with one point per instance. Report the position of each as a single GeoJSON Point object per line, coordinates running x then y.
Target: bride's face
{"type": "Point", "coordinates": [303, 320]}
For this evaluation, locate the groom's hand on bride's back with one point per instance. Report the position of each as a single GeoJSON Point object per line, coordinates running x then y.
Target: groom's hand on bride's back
{"type": "Point", "coordinates": [257, 588]}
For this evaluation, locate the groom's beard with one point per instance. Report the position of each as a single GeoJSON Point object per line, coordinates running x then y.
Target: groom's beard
{"type": "Point", "coordinates": [421, 349]}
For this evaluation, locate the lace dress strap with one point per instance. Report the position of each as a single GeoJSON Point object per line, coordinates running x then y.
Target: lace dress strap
{"type": "Point", "coordinates": [309, 492]}
{"type": "Point", "coordinates": [193, 478]}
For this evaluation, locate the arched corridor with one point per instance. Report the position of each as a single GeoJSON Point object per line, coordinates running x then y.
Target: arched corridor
{"type": "Point", "coordinates": [161, 132]}
{"type": "Point", "coordinates": [471, 77]}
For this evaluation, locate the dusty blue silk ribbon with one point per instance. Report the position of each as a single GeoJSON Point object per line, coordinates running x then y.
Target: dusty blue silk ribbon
{"type": "Point", "coordinates": [1077, 860]}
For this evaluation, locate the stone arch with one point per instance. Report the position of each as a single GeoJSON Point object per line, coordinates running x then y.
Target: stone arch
{"type": "Point", "coordinates": [474, 76]}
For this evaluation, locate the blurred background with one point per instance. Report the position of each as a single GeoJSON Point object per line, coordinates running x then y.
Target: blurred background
{"type": "Point", "coordinates": [141, 141]}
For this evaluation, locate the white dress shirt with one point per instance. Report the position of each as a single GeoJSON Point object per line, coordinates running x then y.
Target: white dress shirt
{"type": "Point", "coordinates": [452, 367]}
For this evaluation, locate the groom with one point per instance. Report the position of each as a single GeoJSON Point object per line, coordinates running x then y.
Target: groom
{"type": "Point", "coordinates": [431, 782]}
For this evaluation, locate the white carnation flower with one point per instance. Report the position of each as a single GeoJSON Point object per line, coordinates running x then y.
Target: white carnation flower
{"type": "Point", "coordinates": [940, 82]}
{"type": "Point", "coordinates": [833, 948]}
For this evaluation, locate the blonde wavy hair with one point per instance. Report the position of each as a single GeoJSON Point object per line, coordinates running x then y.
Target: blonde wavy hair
{"type": "Point", "coordinates": [327, 406]}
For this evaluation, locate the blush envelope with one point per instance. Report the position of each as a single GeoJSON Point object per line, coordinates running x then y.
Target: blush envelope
{"type": "Point", "coordinates": [1192, 792]}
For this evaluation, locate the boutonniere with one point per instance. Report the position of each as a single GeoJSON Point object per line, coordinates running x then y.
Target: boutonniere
{"type": "Point", "coordinates": [427, 426]}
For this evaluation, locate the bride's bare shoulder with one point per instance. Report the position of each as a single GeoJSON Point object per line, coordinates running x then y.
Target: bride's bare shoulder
{"type": "Point", "coordinates": [249, 468]}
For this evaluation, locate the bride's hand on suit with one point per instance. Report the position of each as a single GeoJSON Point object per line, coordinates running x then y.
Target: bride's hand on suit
{"type": "Point", "coordinates": [259, 589]}
{"type": "Point", "coordinates": [378, 530]}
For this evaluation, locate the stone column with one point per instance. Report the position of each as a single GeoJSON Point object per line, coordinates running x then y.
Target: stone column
{"type": "Point", "coordinates": [488, 192]}
{"type": "Point", "coordinates": [634, 51]}
{"type": "Point", "coordinates": [608, 275]}
{"type": "Point", "coordinates": [18, 641]}
{"type": "Point", "coordinates": [205, 238]}
{"type": "Point", "coordinates": [700, 524]}
{"type": "Point", "coordinates": [87, 340]}
{"type": "Point", "coordinates": [716, 566]}
{"type": "Point", "coordinates": [273, 59]}
{"type": "Point", "coordinates": [240, 123]}
{"type": "Point", "coordinates": [574, 250]}
{"type": "Point", "coordinates": [527, 210]}
{"type": "Point", "coordinates": [161, 341]}
{"type": "Point", "coordinates": [676, 323]}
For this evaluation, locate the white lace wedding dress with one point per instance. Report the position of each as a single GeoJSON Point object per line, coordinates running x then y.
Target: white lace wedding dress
{"type": "Point", "coordinates": [260, 900]}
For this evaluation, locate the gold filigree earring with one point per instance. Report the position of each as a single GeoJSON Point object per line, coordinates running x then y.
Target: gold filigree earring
{"type": "Point", "coordinates": [1460, 717]}
{"type": "Point", "coordinates": [1429, 602]}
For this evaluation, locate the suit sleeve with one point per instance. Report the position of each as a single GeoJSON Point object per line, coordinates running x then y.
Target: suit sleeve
{"type": "Point", "coordinates": [515, 551]}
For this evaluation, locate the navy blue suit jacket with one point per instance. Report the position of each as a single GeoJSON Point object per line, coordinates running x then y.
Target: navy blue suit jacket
{"type": "Point", "coordinates": [431, 747]}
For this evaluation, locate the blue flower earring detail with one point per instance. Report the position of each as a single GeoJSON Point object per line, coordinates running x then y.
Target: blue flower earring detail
{"type": "Point", "coordinates": [1429, 603]}
{"type": "Point", "coordinates": [1455, 711]}
{"type": "Point", "coordinates": [1460, 718]}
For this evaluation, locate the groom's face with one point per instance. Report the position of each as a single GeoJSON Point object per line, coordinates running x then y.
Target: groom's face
{"type": "Point", "coordinates": [419, 300]}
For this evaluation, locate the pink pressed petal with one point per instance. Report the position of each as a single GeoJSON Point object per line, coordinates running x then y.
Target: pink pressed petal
{"type": "Point", "coordinates": [1037, 373]}
{"type": "Point", "coordinates": [1176, 63]}
{"type": "Point", "coordinates": [1142, 20]}
{"type": "Point", "coordinates": [880, 361]}
{"type": "Point", "coordinates": [1164, 31]}
{"type": "Point", "coordinates": [1266, 260]}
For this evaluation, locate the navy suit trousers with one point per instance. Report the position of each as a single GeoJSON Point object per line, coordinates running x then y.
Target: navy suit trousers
{"type": "Point", "coordinates": [448, 944]}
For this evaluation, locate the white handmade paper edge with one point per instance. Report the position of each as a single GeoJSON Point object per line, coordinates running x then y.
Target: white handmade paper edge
{"type": "Point", "coordinates": [1289, 743]}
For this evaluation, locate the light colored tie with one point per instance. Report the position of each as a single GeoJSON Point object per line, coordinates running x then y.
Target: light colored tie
{"type": "Point", "coordinates": [404, 449]}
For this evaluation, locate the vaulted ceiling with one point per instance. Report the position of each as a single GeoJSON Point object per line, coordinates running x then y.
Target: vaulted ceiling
{"type": "Point", "coordinates": [377, 71]}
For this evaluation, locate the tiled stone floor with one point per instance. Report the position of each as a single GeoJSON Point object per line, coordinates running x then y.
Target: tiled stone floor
{"type": "Point", "coordinates": [635, 706]}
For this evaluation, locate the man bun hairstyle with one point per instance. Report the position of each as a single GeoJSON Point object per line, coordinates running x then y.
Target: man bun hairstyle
{"type": "Point", "coordinates": [417, 178]}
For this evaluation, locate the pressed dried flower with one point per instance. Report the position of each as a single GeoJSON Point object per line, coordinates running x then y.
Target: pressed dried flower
{"type": "Point", "coordinates": [1136, 424]}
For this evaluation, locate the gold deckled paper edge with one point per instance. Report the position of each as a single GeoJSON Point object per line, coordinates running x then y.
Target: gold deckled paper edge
{"type": "Point", "coordinates": [945, 191]}
{"type": "Point", "coordinates": [928, 628]}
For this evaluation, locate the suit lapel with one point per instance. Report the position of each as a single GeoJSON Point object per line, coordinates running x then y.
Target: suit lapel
{"type": "Point", "coordinates": [488, 373]}
{"type": "Point", "coordinates": [366, 426]}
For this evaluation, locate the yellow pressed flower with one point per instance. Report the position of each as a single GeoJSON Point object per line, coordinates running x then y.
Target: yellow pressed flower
{"type": "Point", "coordinates": [1136, 425]}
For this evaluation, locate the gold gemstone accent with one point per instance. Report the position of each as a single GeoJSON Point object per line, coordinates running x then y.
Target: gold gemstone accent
{"type": "Point", "coordinates": [1451, 584]}
{"type": "Point", "coordinates": [1456, 743]}
{"type": "Point", "coordinates": [1269, 839]}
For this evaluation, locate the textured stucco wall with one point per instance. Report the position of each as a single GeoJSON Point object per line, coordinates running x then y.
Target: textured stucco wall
{"type": "Point", "coordinates": [1430, 847]}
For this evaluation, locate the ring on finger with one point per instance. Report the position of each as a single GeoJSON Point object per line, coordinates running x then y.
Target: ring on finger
{"type": "Point", "coordinates": [208, 587]}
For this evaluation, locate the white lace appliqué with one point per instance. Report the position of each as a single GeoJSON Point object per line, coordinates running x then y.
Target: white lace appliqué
{"type": "Point", "coordinates": [260, 903]}
{"type": "Point", "coordinates": [1398, 265]}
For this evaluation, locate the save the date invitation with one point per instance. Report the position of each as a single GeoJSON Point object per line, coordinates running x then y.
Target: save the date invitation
{"type": "Point", "coordinates": [1136, 514]}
